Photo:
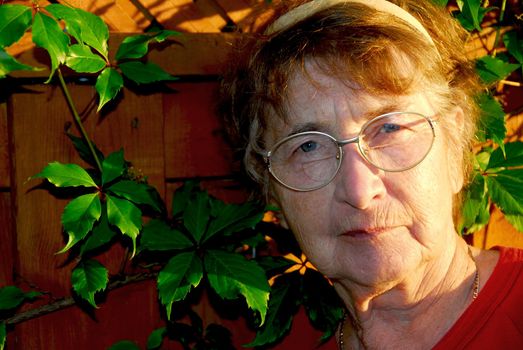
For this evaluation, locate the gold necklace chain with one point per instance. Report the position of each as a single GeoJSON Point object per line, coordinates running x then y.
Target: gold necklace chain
{"type": "Point", "coordinates": [475, 292]}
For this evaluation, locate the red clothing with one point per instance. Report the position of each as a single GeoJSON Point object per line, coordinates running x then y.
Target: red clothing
{"type": "Point", "coordinates": [495, 319]}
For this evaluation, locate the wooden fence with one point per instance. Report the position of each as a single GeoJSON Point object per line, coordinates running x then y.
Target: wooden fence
{"type": "Point", "coordinates": [170, 135]}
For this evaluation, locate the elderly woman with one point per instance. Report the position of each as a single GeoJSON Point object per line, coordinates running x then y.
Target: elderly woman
{"type": "Point", "coordinates": [357, 118]}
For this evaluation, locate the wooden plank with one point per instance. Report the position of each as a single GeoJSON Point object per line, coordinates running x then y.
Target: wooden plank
{"type": "Point", "coordinates": [7, 245]}
{"type": "Point", "coordinates": [184, 15]}
{"type": "Point", "coordinates": [498, 233]}
{"type": "Point", "coordinates": [131, 312]}
{"type": "Point", "coordinates": [244, 12]}
{"type": "Point", "coordinates": [120, 15]}
{"type": "Point", "coordinates": [5, 175]}
{"type": "Point", "coordinates": [188, 54]}
{"type": "Point", "coordinates": [194, 138]}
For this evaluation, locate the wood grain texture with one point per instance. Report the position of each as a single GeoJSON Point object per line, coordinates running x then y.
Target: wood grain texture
{"type": "Point", "coordinates": [7, 241]}
{"type": "Point", "coordinates": [194, 139]}
{"type": "Point", "coordinates": [5, 176]}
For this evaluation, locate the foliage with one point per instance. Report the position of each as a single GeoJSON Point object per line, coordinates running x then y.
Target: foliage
{"type": "Point", "coordinates": [11, 297]}
{"type": "Point", "coordinates": [498, 174]}
{"type": "Point", "coordinates": [204, 242]}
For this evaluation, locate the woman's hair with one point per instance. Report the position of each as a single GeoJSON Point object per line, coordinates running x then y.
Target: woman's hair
{"type": "Point", "coordinates": [361, 46]}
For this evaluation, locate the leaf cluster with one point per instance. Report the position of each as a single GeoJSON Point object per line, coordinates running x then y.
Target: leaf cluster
{"type": "Point", "coordinates": [11, 297]}
{"type": "Point", "coordinates": [498, 171]}
{"type": "Point", "coordinates": [79, 40]}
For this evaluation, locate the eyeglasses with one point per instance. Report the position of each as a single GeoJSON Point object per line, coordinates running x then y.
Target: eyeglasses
{"type": "Point", "coordinates": [392, 142]}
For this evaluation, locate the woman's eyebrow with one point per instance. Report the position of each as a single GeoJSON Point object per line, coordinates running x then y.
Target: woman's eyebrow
{"type": "Point", "coordinates": [322, 126]}
{"type": "Point", "coordinates": [309, 126]}
{"type": "Point", "coordinates": [384, 109]}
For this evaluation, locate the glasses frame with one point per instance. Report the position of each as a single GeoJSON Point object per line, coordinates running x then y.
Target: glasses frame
{"type": "Point", "coordinates": [340, 143]}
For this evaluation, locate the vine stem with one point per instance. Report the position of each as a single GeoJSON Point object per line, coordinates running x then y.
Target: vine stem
{"type": "Point", "coordinates": [498, 29]}
{"type": "Point", "coordinates": [77, 119]}
{"type": "Point", "coordinates": [61, 304]}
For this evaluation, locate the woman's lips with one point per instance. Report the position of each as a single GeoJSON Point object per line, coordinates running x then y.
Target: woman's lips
{"type": "Point", "coordinates": [367, 232]}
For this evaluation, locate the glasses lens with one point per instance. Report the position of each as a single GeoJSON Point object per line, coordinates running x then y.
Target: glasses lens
{"type": "Point", "coordinates": [305, 161]}
{"type": "Point", "coordinates": [397, 141]}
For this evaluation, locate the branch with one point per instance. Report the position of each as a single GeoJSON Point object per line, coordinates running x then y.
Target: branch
{"type": "Point", "coordinates": [61, 304]}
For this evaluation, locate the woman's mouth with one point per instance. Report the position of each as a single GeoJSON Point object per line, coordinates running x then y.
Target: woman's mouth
{"type": "Point", "coordinates": [368, 232]}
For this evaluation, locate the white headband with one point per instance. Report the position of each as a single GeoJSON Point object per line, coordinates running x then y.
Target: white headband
{"type": "Point", "coordinates": [308, 9]}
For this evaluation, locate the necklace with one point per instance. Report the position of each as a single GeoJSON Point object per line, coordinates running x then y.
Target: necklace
{"type": "Point", "coordinates": [475, 292]}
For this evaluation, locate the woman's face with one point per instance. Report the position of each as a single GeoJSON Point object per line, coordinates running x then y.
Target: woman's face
{"type": "Point", "coordinates": [367, 225]}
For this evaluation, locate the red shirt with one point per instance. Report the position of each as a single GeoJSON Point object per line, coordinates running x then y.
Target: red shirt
{"type": "Point", "coordinates": [495, 319]}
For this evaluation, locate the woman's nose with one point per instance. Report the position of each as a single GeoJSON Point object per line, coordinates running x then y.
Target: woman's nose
{"type": "Point", "coordinates": [358, 182]}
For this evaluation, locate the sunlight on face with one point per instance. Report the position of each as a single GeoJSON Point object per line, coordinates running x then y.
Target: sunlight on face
{"type": "Point", "coordinates": [367, 225]}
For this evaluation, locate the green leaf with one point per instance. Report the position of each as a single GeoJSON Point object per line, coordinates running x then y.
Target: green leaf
{"type": "Point", "coordinates": [48, 35]}
{"type": "Point", "coordinates": [79, 217]}
{"type": "Point", "coordinates": [101, 234]}
{"type": "Point", "coordinates": [66, 175]}
{"type": "Point", "coordinates": [472, 14]}
{"type": "Point", "coordinates": [514, 45]}
{"type": "Point", "coordinates": [157, 235]}
{"type": "Point", "coordinates": [492, 69]}
{"type": "Point", "coordinates": [323, 306]}
{"type": "Point", "coordinates": [197, 215]}
{"type": "Point", "coordinates": [218, 337]}
{"type": "Point", "coordinates": [230, 218]}
{"type": "Point", "coordinates": [108, 84]}
{"type": "Point", "coordinates": [505, 190]}
{"type": "Point", "coordinates": [133, 47]}
{"type": "Point", "coordinates": [144, 73]}
{"type": "Point", "coordinates": [176, 279]}
{"type": "Point", "coordinates": [9, 64]}
{"type": "Point", "coordinates": [516, 221]}
{"type": "Point", "coordinates": [89, 277]}
{"type": "Point", "coordinates": [164, 34]}
{"type": "Point", "coordinates": [81, 59]}
{"type": "Point", "coordinates": [85, 27]}
{"type": "Point", "coordinates": [11, 297]}
{"type": "Point", "coordinates": [283, 304]}
{"type": "Point", "coordinates": [124, 345]}
{"type": "Point", "coordinates": [512, 157]}
{"type": "Point", "coordinates": [126, 216]}
{"type": "Point", "coordinates": [181, 197]}
{"type": "Point", "coordinates": [113, 166]}
{"type": "Point", "coordinates": [482, 158]}
{"type": "Point", "coordinates": [138, 193]}
{"type": "Point", "coordinates": [14, 21]}
{"type": "Point", "coordinates": [441, 3]}
{"type": "Point", "coordinates": [83, 150]}
{"type": "Point", "coordinates": [231, 275]}
{"type": "Point", "coordinates": [3, 335]}
{"type": "Point", "coordinates": [492, 120]}
{"type": "Point", "coordinates": [155, 339]}
{"type": "Point", "coordinates": [71, 18]}
{"type": "Point", "coordinates": [94, 31]}
{"type": "Point", "coordinates": [475, 210]}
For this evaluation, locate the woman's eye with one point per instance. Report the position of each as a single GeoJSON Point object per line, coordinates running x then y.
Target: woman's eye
{"type": "Point", "coordinates": [309, 146]}
{"type": "Point", "coordinates": [389, 127]}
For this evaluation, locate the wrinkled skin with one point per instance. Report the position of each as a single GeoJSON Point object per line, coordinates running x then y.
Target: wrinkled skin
{"type": "Point", "coordinates": [367, 226]}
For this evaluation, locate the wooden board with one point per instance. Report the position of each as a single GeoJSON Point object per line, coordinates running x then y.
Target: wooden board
{"type": "Point", "coordinates": [4, 148]}
{"type": "Point", "coordinates": [194, 139]}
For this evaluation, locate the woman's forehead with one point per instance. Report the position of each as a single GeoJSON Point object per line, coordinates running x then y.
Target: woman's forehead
{"type": "Point", "coordinates": [316, 101]}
